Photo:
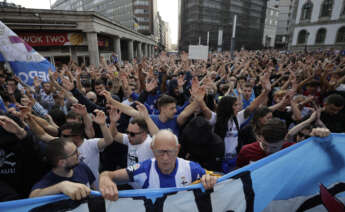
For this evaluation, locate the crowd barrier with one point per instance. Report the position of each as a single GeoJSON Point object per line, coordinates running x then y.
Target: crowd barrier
{"type": "Point", "coordinates": [285, 181]}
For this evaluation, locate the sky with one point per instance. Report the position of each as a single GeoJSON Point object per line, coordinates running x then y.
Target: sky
{"type": "Point", "coordinates": [168, 9]}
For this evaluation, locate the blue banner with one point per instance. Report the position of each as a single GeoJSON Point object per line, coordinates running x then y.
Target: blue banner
{"type": "Point", "coordinates": [285, 181]}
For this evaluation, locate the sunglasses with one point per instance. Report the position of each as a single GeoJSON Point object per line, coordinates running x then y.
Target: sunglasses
{"type": "Point", "coordinates": [68, 136]}
{"type": "Point", "coordinates": [132, 134]}
{"type": "Point", "coordinates": [76, 152]}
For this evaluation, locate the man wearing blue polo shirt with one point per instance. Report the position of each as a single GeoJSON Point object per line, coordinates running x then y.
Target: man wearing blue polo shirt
{"type": "Point", "coordinates": [165, 170]}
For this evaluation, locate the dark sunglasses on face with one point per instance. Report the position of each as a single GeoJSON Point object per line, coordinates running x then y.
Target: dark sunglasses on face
{"type": "Point", "coordinates": [132, 134]}
{"type": "Point", "coordinates": [68, 136]}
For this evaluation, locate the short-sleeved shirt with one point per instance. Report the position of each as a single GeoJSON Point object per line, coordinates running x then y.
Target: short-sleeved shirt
{"type": "Point", "coordinates": [231, 136]}
{"type": "Point", "coordinates": [148, 175]}
{"type": "Point", "coordinates": [253, 152]}
{"type": "Point", "coordinates": [335, 123]}
{"type": "Point", "coordinates": [138, 153]}
{"type": "Point", "coordinates": [81, 174]}
{"type": "Point", "coordinates": [170, 124]}
{"type": "Point", "coordinates": [89, 154]}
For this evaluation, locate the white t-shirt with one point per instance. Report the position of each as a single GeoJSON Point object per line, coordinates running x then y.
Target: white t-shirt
{"type": "Point", "coordinates": [89, 154]}
{"type": "Point", "coordinates": [127, 102]}
{"type": "Point", "coordinates": [231, 136]}
{"type": "Point", "coordinates": [138, 153]}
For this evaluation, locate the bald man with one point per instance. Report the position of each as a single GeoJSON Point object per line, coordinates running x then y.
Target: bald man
{"type": "Point", "coordinates": [163, 171]}
{"type": "Point", "coordinates": [91, 96]}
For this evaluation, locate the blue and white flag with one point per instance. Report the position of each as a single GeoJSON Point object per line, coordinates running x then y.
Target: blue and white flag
{"type": "Point", "coordinates": [286, 181]}
{"type": "Point", "coordinates": [25, 62]}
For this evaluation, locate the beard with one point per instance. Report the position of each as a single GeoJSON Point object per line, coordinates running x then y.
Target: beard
{"type": "Point", "coordinates": [70, 167]}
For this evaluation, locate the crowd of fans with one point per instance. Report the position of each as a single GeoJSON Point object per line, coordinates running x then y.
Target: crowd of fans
{"type": "Point", "coordinates": [69, 134]}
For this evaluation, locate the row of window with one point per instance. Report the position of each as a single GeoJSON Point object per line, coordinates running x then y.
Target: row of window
{"type": "Point", "coordinates": [326, 9]}
{"type": "Point", "coordinates": [320, 36]}
{"type": "Point", "coordinates": [141, 3]}
{"type": "Point", "coordinates": [142, 19]}
{"type": "Point", "coordinates": [141, 11]}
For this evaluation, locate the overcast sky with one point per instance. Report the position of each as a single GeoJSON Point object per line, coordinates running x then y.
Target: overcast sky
{"type": "Point", "coordinates": [168, 10]}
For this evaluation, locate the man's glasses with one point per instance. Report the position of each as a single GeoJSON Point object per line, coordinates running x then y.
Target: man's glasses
{"type": "Point", "coordinates": [68, 136]}
{"type": "Point", "coordinates": [160, 153]}
{"type": "Point", "coordinates": [132, 134]}
{"type": "Point", "coordinates": [76, 152]}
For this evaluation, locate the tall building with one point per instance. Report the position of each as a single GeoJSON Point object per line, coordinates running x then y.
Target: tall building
{"type": "Point", "coordinates": [137, 15]}
{"type": "Point", "coordinates": [286, 16]}
{"type": "Point", "coordinates": [319, 24]}
{"type": "Point", "coordinates": [271, 23]}
{"type": "Point", "coordinates": [162, 33]}
{"type": "Point", "coordinates": [198, 17]}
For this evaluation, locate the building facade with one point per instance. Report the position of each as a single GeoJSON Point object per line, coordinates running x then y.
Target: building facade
{"type": "Point", "coordinates": [81, 36]}
{"type": "Point", "coordinates": [137, 15]}
{"type": "Point", "coordinates": [285, 20]}
{"type": "Point", "coordinates": [271, 23]}
{"type": "Point", "coordinates": [163, 41]}
{"type": "Point", "coordinates": [319, 24]}
{"type": "Point", "coordinates": [198, 17]}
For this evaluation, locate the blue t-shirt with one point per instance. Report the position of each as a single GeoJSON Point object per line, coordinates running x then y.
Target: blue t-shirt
{"type": "Point", "coordinates": [147, 174]}
{"type": "Point", "coordinates": [81, 174]}
{"type": "Point", "coordinates": [170, 124]}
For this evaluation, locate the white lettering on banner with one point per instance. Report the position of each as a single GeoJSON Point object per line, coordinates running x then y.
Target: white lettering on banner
{"type": "Point", "coordinates": [33, 57]}
{"type": "Point", "coordinates": [8, 171]}
{"type": "Point", "coordinates": [33, 39]}
{"type": "Point", "coordinates": [59, 38]}
{"type": "Point", "coordinates": [32, 74]}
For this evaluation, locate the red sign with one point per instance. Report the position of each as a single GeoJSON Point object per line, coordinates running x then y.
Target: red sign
{"type": "Point", "coordinates": [44, 39]}
{"type": "Point", "coordinates": [53, 39]}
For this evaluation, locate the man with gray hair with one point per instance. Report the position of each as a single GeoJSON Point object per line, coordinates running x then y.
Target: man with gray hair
{"type": "Point", "coordinates": [163, 171]}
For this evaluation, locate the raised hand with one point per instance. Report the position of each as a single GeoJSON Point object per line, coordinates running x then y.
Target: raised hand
{"type": "Point", "coordinates": [10, 126]}
{"type": "Point", "coordinates": [151, 85]}
{"type": "Point", "coordinates": [24, 111]}
{"type": "Point", "coordinates": [106, 95]}
{"type": "Point", "coordinates": [67, 84]}
{"type": "Point", "coordinates": [195, 84]}
{"type": "Point", "coordinates": [199, 94]}
{"type": "Point", "coordinates": [142, 110]}
{"type": "Point", "coordinates": [79, 109]}
{"type": "Point", "coordinates": [265, 82]}
{"type": "Point", "coordinates": [78, 72]}
{"type": "Point", "coordinates": [100, 117]}
{"type": "Point", "coordinates": [114, 114]}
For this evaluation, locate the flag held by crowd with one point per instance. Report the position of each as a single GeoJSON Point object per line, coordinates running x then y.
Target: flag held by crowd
{"type": "Point", "coordinates": [25, 62]}
{"type": "Point", "coordinates": [288, 180]}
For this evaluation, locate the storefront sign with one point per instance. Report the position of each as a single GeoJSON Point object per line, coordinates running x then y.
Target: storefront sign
{"type": "Point", "coordinates": [53, 39]}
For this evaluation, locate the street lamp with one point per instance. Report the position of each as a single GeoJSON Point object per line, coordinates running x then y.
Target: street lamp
{"type": "Point", "coordinates": [306, 42]}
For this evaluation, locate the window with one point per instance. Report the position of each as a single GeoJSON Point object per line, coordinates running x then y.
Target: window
{"type": "Point", "coordinates": [307, 11]}
{"type": "Point", "coordinates": [343, 11]}
{"type": "Point", "coordinates": [326, 8]}
{"type": "Point", "coordinates": [302, 37]}
{"type": "Point", "coordinates": [320, 36]}
{"type": "Point", "coordinates": [341, 35]}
